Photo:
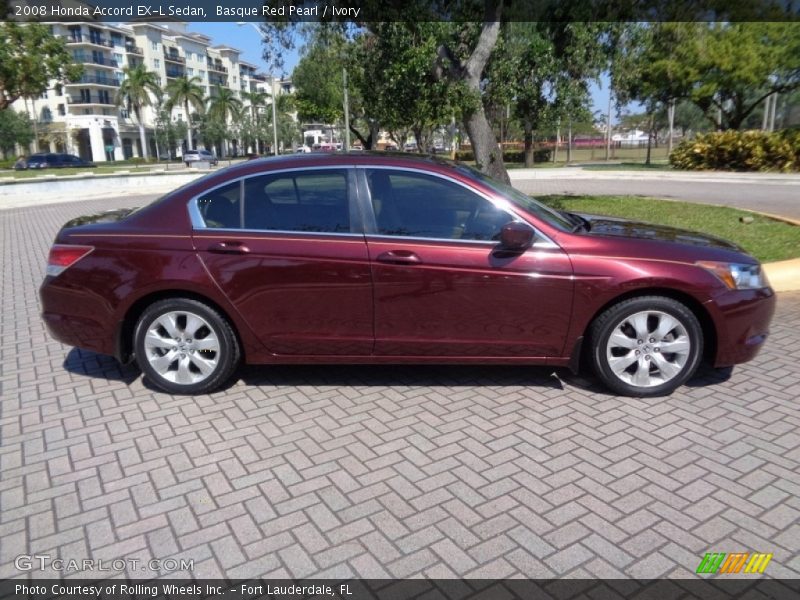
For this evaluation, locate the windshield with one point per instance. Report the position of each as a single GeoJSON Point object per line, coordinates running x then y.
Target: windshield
{"type": "Point", "coordinates": [545, 213]}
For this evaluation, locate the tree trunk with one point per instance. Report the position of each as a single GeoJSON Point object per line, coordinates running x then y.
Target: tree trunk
{"type": "Point", "coordinates": [671, 113]}
{"type": "Point", "coordinates": [569, 142]}
{"type": "Point", "coordinates": [142, 137]}
{"type": "Point", "coordinates": [488, 156]}
{"type": "Point", "coordinates": [188, 126]}
{"type": "Point", "coordinates": [649, 139]}
{"type": "Point", "coordinates": [528, 140]}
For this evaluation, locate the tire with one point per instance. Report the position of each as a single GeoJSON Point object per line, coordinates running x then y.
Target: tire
{"type": "Point", "coordinates": [626, 360]}
{"type": "Point", "coordinates": [184, 346]}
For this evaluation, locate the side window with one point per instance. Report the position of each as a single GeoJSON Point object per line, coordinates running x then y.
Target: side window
{"type": "Point", "coordinates": [313, 201]}
{"type": "Point", "coordinates": [221, 208]}
{"type": "Point", "coordinates": [418, 205]}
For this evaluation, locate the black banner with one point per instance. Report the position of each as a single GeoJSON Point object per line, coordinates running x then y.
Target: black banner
{"type": "Point", "coordinates": [360, 11]}
{"type": "Point", "coordinates": [376, 589]}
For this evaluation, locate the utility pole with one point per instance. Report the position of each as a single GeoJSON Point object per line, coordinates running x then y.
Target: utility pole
{"type": "Point", "coordinates": [274, 119]}
{"type": "Point", "coordinates": [608, 126]}
{"type": "Point", "coordinates": [346, 112]}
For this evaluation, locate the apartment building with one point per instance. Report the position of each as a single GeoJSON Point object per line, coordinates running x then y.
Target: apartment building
{"type": "Point", "coordinates": [82, 117]}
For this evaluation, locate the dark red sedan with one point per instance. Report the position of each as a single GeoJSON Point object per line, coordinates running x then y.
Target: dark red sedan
{"type": "Point", "coordinates": [380, 259]}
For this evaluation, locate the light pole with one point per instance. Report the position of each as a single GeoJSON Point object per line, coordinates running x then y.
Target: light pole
{"type": "Point", "coordinates": [274, 98]}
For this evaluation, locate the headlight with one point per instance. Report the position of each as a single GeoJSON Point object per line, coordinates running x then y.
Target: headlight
{"type": "Point", "coordinates": [737, 276]}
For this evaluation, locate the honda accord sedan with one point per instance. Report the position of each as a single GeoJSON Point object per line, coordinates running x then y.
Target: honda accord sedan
{"type": "Point", "coordinates": [369, 258]}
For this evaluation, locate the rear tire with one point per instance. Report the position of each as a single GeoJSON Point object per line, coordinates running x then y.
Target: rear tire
{"type": "Point", "coordinates": [646, 346]}
{"type": "Point", "coordinates": [185, 347]}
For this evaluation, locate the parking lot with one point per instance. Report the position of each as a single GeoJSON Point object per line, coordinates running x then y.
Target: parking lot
{"type": "Point", "coordinates": [395, 472]}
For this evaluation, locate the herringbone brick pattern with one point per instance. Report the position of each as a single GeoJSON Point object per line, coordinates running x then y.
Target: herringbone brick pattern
{"type": "Point", "coordinates": [389, 471]}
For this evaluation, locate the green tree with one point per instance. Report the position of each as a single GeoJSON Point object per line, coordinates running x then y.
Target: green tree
{"type": "Point", "coordinates": [15, 128]}
{"type": "Point", "coordinates": [30, 57]}
{"type": "Point", "coordinates": [135, 92]}
{"type": "Point", "coordinates": [186, 92]}
{"type": "Point", "coordinates": [740, 64]}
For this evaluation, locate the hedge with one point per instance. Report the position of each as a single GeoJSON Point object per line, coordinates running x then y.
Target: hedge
{"type": "Point", "coordinates": [740, 151]}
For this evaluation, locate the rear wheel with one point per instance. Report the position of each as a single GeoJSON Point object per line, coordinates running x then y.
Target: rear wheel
{"type": "Point", "coordinates": [646, 346]}
{"type": "Point", "coordinates": [184, 346]}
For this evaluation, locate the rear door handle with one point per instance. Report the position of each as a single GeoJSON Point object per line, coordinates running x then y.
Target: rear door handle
{"type": "Point", "coordinates": [228, 247]}
{"type": "Point", "coordinates": [399, 257]}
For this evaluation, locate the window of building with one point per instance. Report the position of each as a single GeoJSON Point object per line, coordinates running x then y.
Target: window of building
{"type": "Point", "coordinates": [190, 71]}
{"type": "Point", "coordinates": [61, 110]}
{"type": "Point", "coordinates": [118, 58]}
{"type": "Point", "coordinates": [123, 113]}
{"type": "Point", "coordinates": [154, 44]}
{"type": "Point", "coordinates": [202, 74]}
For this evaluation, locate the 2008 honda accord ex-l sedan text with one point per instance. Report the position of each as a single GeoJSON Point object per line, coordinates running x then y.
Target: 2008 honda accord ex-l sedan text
{"type": "Point", "coordinates": [381, 259]}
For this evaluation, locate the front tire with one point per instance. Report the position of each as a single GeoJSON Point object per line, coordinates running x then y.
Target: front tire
{"type": "Point", "coordinates": [646, 346]}
{"type": "Point", "coordinates": [185, 347]}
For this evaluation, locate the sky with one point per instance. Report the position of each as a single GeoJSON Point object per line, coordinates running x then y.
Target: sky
{"type": "Point", "coordinates": [246, 38]}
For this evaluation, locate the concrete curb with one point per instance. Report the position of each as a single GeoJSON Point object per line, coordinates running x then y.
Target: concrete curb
{"type": "Point", "coordinates": [791, 179]}
{"type": "Point", "coordinates": [784, 276]}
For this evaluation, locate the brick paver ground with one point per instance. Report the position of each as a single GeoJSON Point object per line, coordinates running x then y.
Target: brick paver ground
{"type": "Point", "coordinates": [385, 472]}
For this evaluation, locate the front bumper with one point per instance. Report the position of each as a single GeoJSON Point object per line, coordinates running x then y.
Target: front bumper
{"type": "Point", "coordinates": [742, 319]}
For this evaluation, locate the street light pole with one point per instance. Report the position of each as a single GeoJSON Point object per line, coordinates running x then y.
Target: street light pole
{"type": "Point", "coordinates": [274, 107]}
{"type": "Point", "coordinates": [274, 120]}
{"type": "Point", "coordinates": [346, 113]}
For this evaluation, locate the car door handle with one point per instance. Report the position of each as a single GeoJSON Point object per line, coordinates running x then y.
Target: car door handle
{"type": "Point", "coordinates": [399, 257]}
{"type": "Point", "coordinates": [228, 248]}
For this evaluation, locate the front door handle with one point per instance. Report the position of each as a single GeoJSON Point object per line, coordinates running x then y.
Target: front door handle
{"type": "Point", "coordinates": [399, 257]}
{"type": "Point", "coordinates": [228, 247]}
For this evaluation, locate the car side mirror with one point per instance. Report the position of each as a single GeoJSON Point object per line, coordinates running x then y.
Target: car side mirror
{"type": "Point", "coordinates": [516, 236]}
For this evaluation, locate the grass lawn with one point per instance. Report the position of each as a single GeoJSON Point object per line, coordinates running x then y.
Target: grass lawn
{"type": "Point", "coordinates": [68, 171]}
{"type": "Point", "coordinates": [766, 239]}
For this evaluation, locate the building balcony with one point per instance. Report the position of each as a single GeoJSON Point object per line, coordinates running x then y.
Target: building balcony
{"type": "Point", "coordinates": [101, 60]}
{"type": "Point", "coordinates": [175, 73]}
{"type": "Point", "coordinates": [86, 100]}
{"type": "Point", "coordinates": [88, 40]}
{"type": "Point", "coordinates": [174, 58]}
{"type": "Point", "coordinates": [95, 80]}
{"type": "Point", "coordinates": [216, 67]}
{"type": "Point", "coordinates": [134, 50]}
{"type": "Point", "coordinates": [223, 81]}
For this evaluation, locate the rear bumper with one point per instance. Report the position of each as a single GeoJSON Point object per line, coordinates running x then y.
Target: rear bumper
{"type": "Point", "coordinates": [76, 318]}
{"type": "Point", "coordinates": [742, 319]}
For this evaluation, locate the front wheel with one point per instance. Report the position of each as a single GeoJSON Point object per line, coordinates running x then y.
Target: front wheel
{"type": "Point", "coordinates": [185, 346]}
{"type": "Point", "coordinates": [646, 346]}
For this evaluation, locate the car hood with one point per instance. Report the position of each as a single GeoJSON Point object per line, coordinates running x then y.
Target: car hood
{"type": "Point", "coordinates": [108, 216]}
{"type": "Point", "coordinates": [602, 225]}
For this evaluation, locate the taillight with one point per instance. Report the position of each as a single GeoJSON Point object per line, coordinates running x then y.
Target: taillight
{"type": "Point", "coordinates": [63, 256]}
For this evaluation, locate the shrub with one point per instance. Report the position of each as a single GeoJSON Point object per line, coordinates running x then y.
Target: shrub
{"type": "Point", "coordinates": [739, 151]}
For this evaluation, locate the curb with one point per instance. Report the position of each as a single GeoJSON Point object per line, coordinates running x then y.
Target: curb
{"type": "Point", "coordinates": [784, 276]}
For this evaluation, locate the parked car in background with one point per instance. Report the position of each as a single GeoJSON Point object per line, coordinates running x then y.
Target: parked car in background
{"type": "Point", "coordinates": [376, 258]}
{"type": "Point", "coordinates": [193, 156]}
{"type": "Point", "coordinates": [50, 160]}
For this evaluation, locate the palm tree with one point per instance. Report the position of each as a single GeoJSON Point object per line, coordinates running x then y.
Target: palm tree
{"type": "Point", "coordinates": [134, 93]}
{"type": "Point", "coordinates": [256, 100]}
{"type": "Point", "coordinates": [185, 91]}
{"type": "Point", "coordinates": [224, 104]}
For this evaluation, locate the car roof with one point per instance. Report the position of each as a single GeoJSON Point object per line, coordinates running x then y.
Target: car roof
{"type": "Point", "coordinates": [344, 159]}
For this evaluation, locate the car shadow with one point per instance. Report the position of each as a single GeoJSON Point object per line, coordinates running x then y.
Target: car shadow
{"type": "Point", "coordinates": [85, 362]}
{"type": "Point", "coordinates": [399, 375]}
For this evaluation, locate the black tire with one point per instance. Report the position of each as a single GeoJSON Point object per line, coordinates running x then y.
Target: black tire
{"type": "Point", "coordinates": [677, 367]}
{"type": "Point", "coordinates": [214, 329]}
